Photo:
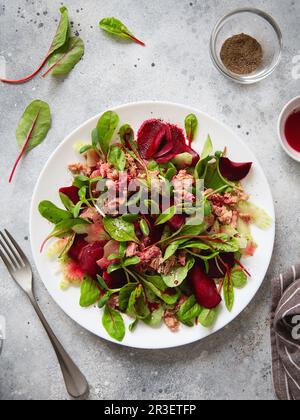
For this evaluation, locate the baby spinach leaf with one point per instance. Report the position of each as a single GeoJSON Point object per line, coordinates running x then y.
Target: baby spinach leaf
{"type": "Point", "coordinates": [85, 148]}
{"type": "Point", "coordinates": [133, 325]}
{"type": "Point", "coordinates": [131, 261]}
{"type": "Point", "coordinates": [66, 58]}
{"type": "Point", "coordinates": [238, 278]}
{"type": "Point", "coordinates": [214, 179]}
{"type": "Point", "coordinates": [137, 305]}
{"type": "Point", "coordinates": [106, 127]}
{"type": "Point", "coordinates": [166, 215]}
{"type": "Point", "coordinates": [155, 317]}
{"type": "Point", "coordinates": [202, 165]}
{"type": "Point", "coordinates": [62, 32]}
{"type": "Point", "coordinates": [67, 202]}
{"type": "Point", "coordinates": [172, 248]}
{"type": "Point", "coordinates": [228, 292]}
{"type": "Point", "coordinates": [102, 282]}
{"type": "Point", "coordinates": [114, 267]}
{"type": "Point", "coordinates": [116, 27]}
{"type": "Point", "coordinates": [144, 228]}
{"type": "Point", "coordinates": [104, 299]}
{"type": "Point", "coordinates": [95, 138]}
{"type": "Point", "coordinates": [117, 158]}
{"type": "Point", "coordinates": [208, 317]}
{"type": "Point", "coordinates": [52, 213]}
{"type": "Point", "coordinates": [120, 230]}
{"type": "Point", "coordinates": [189, 311]}
{"type": "Point", "coordinates": [124, 296]}
{"type": "Point", "coordinates": [191, 126]}
{"type": "Point", "coordinates": [113, 323]}
{"type": "Point", "coordinates": [178, 274]}
{"type": "Point", "coordinates": [89, 292]}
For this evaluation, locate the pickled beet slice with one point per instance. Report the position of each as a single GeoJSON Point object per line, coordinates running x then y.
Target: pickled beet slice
{"type": "Point", "coordinates": [150, 136]}
{"type": "Point", "coordinates": [166, 145]}
{"type": "Point", "coordinates": [234, 171]}
{"type": "Point", "coordinates": [78, 244]}
{"type": "Point", "coordinates": [205, 288]}
{"type": "Point", "coordinates": [88, 258]}
{"type": "Point", "coordinates": [71, 193]}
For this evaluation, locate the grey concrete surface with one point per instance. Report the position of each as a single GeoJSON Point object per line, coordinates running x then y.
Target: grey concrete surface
{"type": "Point", "coordinates": [175, 66]}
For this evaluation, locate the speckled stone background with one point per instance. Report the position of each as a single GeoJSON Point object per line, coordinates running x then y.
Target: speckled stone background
{"type": "Point", "coordinates": [175, 66]}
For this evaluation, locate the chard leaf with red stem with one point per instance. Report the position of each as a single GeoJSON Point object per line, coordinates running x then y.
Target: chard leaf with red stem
{"type": "Point", "coordinates": [66, 58]}
{"type": "Point", "coordinates": [32, 128]}
{"type": "Point", "coordinates": [191, 126]}
{"type": "Point", "coordinates": [116, 27]}
{"type": "Point", "coordinates": [59, 40]}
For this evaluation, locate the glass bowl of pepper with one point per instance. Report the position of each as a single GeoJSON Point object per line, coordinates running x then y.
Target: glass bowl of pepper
{"type": "Point", "coordinates": [246, 45]}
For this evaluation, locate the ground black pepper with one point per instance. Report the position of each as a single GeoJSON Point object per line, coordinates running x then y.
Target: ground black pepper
{"type": "Point", "coordinates": [241, 54]}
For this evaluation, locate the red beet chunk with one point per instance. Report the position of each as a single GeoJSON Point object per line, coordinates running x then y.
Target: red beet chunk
{"type": "Point", "coordinates": [176, 222]}
{"type": "Point", "coordinates": [234, 171]}
{"type": "Point", "coordinates": [88, 258]}
{"type": "Point", "coordinates": [72, 193]}
{"type": "Point", "coordinates": [150, 136]}
{"type": "Point", "coordinates": [78, 244]}
{"type": "Point", "coordinates": [214, 271]}
{"type": "Point", "coordinates": [115, 280]}
{"type": "Point", "coordinates": [205, 289]}
{"type": "Point", "coordinates": [166, 145]}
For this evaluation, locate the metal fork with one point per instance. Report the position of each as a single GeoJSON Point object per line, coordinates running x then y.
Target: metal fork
{"type": "Point", "coordinates": [19, 268]}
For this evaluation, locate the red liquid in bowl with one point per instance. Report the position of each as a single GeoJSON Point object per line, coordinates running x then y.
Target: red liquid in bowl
{"type": "Point", "coordinates": [292, 130]}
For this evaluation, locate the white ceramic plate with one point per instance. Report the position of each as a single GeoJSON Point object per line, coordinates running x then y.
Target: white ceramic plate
{"type": "Point", "coordinates": [56, 175]}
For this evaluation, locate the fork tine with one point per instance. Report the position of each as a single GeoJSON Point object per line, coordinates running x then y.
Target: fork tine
{"type": "Point", "coordinates": [8, 255]}
{"type": "Point", "coordinates": [6, 262]}
{"type": "Point", "coordinates": [19, 261]}
{"type": "Point", "coordinates": [17, 247]}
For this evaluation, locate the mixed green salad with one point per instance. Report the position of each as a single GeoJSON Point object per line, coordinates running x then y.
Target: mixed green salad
{"type": "Point", "coordinates": [133, 255]}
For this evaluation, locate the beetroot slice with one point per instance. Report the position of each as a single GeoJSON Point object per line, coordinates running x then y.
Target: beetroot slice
{"type": "Point", "coordinates": [176, 222]}
{"type": "Point", "coordinates": [234, 171]}
{"type": "Point", "coordinates": [214, 271]}
{"type": "Point", "coordinates": [71, 193]}
{"type": "Point", "coordinates": [88, 258]}
{"type": "Point", "coordinates": [78, 244]}
{"type": "Point", "coordinates": [115, 280]}
{"type": "Point", "coordinates": [166, 145]}
{"type": "Point", "coordinates": [205, 289]}
{"type": "Point", "coordinates": [150, 137]}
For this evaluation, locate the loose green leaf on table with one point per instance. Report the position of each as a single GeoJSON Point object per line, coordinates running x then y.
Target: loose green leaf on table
{"type": "Point", "coordinates": [66, 58]}
{"type": "Point", "coordinates": [113, 323]}
{"type": "Point", "coordinates": [59, 40]}
{"type": "Point", "coordinates": [32, 128]}
{"type": "Point", "coordinates": [89, 293]}
{"type": "Point", "coordinates": [106, 127]}
{"type": "Point", "coordinates": [116, 27]}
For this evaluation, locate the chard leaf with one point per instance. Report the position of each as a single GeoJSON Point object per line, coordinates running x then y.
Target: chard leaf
{"type": "Point", "coordinates": [89, 293]}
{"type": "Point", "coordinates": [164, 295]}
{"type": "Point", "coordinates": [155, 318]}
{"type": "Point", "coordinates": [106, 127]}
{"type": "Point", "coordinates": [201, 167]}
{"type": "Point", "coordinates": [238, 278]}
{"type": "Point", "coordinates": [117, 158]}
{"type": "Point", "coordinates": [116, 27]}
{"type": "Point", "coordinates": [131, 261]}
{"type": "Point", "coordinates": [191, 126]}
{"type": "Point", "coordinates": [62, 32]}
{"type": "Point", "coordinates": [178, 274]}
{"type": "Point", "coordinates": [113, 323]}
{"type": "Point", "coordinates": [35, 123]}
{"type": "Point", "coordinates": [66, 58]}
{"type": "Point", "coordinates": [137, 305]}
{"type": "Point", "coordinates": [228, 292]}
{"type": "Point", "coordinates": [120, 230]}
{"type": "Point", "coordinates": [208, 317]}
{"type": "Point", "coordinates": [126, 134]}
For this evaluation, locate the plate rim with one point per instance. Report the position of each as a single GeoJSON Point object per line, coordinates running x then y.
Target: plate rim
{"type": "Point", "coordinates": [116, 109]}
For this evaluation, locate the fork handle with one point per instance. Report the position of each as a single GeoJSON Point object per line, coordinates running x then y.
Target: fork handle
{"type": "Point", "coordinates": [76, 383]}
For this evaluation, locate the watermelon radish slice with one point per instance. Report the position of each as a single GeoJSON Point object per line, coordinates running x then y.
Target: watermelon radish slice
{"type": "Point", "coordinates": [73, 272]}
{"type": "Point", "coordinates": [71, 193]}
{"type": "Point", "coordinates": [205, 288]}
{"type": "Point", "coordinates": [88, 258]}
{"type": "Point", "coordinates": [234, 171]}
{"type": "Point", "coordinates": [150, 137]}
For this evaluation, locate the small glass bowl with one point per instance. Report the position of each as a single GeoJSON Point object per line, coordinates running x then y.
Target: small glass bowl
{"type": "Point", "coordinates": [260, 26]}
